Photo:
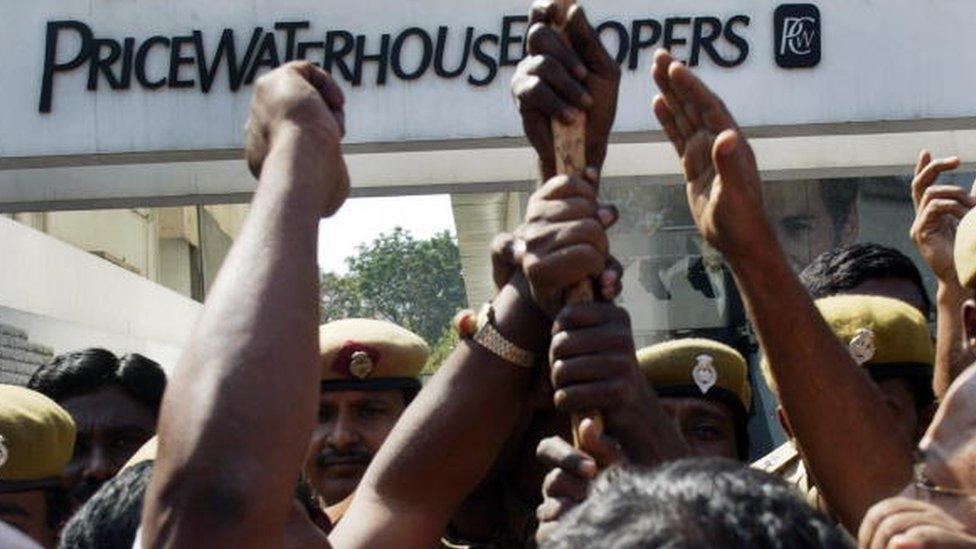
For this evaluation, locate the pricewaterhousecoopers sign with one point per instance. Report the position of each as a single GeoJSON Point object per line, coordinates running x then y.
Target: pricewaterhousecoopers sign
{"type": "Point", "coordinates": [194, 61]}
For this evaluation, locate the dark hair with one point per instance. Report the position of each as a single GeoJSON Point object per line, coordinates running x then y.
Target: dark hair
{"type": "Point", "coordinates": [82, 372]}
{"type": "Point", "coordinates": [694, 503]}
{"type": "Point", "coordinates": [110, 519]}
{"type": "Point", "coordinates": [846, 268]}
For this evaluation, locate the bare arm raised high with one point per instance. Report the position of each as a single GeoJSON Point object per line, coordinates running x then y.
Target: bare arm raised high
{"type": "Point", "coordinates": [240, 406]}
{"type": "Point", "coordinates": [823, 392]}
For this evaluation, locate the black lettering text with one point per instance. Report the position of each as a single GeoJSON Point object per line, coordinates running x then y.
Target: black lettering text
{"type": "Point", "coordinates": [382, 58]}
{"type": "Point", "coordinates": [638, 42]}
{"type": "Point", "coordinates": [488, 61]}
{"type": "Point", "coordinates": [177, 60]}
{"type": "Point", "coordinates": [439, 68]}
{"type": "Point", "coordinates": [52, 66]}
{"type": "Point", "coordinates": [141, 55]}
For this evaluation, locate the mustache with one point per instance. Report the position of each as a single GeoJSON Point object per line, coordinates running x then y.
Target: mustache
{"type": "Point", "coordinates": [326, 459]}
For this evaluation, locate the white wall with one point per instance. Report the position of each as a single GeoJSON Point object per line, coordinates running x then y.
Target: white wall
{"type": "Point", "coordinates": [67, 298]}
{"type": "Point", "coordinates": [872, 69]}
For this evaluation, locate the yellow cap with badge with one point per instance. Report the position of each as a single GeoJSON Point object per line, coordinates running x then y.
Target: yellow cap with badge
{"type": "Point", "coordinates": [37, 438]}
{"type": "Point", "coordinates": [696, 367]}
{"type": "Point", "coordinates": [888, 337]}
{"type": "Point", "coordinates": [367, 354]}
{"type": "Point", "coordinates": [702, 368]}
{"type": "Point", "coordinates": [965, 250]}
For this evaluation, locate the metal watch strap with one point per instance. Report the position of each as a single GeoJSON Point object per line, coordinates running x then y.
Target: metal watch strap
{"type": "Point", "coordinates": [488, 337]}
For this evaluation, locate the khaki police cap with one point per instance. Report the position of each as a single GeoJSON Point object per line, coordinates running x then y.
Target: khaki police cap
{"type": "Point", "coordinates": [965, 250]}
{"type": "Point", "coordinates": [370, 354]}
{"type": "Point", "coordinates": [695, 367]}
{"type": "Point", "coordinates": [887, 336]}
{"type": "Point", "coordinates": [37, 438]}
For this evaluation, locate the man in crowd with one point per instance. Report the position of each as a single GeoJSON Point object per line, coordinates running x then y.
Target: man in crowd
{"type": "Point", "coordinates": [709, 502]}
{"type": "Point", "coordinates": [867, 269]}
{"type": "Point", "coordinates": [370, 373]}
{"type": "Point", "coordinates": [36, 439]}
{"type": "Point", "coordinates": [890, 340]}
{"type": "Point", "coordinates": [812, 216]}
{"type": "Point", "coordinates": [703, 386]}
{"type": "Point", "coordinates": [819, 384]}
{"type": "Point", "coordinates": [114, 402]}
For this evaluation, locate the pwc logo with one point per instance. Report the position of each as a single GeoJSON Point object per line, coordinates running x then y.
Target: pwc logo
{"type": "Point", "coordinates": [797, 36]}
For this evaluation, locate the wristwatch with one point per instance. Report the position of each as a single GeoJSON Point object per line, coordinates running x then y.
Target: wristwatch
{"type": "Point", "coordinates": [488, 337]}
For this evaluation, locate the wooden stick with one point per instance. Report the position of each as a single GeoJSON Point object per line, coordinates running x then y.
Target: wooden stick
{"type": "Point", "coordinates": [570, 147]}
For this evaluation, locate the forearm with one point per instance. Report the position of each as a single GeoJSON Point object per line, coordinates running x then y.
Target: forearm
{"type": "Point", "coordinates": [240, 407]}
{"type": "Point", "coordinates": [653, 440]}
{"type": "Point", "coordinates": [951, 354]}
{"type": "Point", "coordinates": [446, 441]}
{"type": "Point", "coordinates": [825, 395]}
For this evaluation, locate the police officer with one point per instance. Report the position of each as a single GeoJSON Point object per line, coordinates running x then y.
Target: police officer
{"type": "Point", "coordinates": [370, 373]}
{"type": "Point", "coordinates": [891, 340]}
{"type": "Point", "coordinates": [36, 440]}
{"type": "Point", "coordinates": [704, 386]}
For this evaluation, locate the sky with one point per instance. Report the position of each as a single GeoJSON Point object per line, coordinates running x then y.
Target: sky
{"type": "Point", "coordinates": [360, 220]}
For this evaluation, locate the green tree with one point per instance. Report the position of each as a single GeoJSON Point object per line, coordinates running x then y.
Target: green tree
{"type": "Point", "coordinates": [414, 283]}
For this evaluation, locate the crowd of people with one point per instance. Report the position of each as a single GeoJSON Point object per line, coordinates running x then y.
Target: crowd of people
{"type": "Point", "coordinates": [273, 431]}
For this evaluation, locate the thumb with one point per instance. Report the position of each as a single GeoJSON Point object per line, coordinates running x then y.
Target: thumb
{"type": "Point", "coordinates": [733, 157]}
{"type": "Point", "coordinates": [605, 450]}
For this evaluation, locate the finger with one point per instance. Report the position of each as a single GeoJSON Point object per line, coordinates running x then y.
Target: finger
{"type": "Point", "coordinates": [936, 209]}
{"type": "Point", "coordinates": [323, 82]}
{"type": "Point", "coordinates": [733, 158]}
{"type": "Point", "coordinates": [567, 209]}
{"type": "Point", "coordinates": [590, 368]}
{"type": "Point", "coordinates": [565, 268]}
{"type": "Point", "coordinates": [608, 215]}
{"type": "Point", "coordinates": [546, 238]}
{"type": "Point", "coordinates": [554, 452]}
{"type": "Point", "coordinates": [662, 77]}
{"type": "Point", "coordinates": [545, 531]}
{"type": "Point", "coordinates": [666, 118]}
{"type": "Point", "coordinates": [586, 41]}
{"type": "Point", "coordinates": [532, 92]}
{"type": "Point", "coordinates": [604, 449]}
{"type": "Point", "coordinates": [924, 158]}
{"type": "Point", "coordinates": [927, 176]}
{"type": "Point", "coordinates": [878, 513]}
{"type": "Point", "coordinates": [560, 484]}
{"type": "Point", "coordinates": [611, 281]}
{"type": "Point", "coordinates": [899, 523]}
{"type": "Point", "coordinates": [598, 395]}
{"type": "Point", "coordinates": [560, 187]}
{"type": "Point", "coordinates": [558, 78]}
{"type": "Point", "coordinates": [543, 41]}
{"type": "Point", "coordinates": [544, 11]}
{"type": "Point", "coordinates": [552, 508]}
{"type": "Point", "coordinates": [503, 262]}
{"type": "Point", "coordinates": [587, 315]}
{"type": "Point", "coordinates": [698, 99]}
{"type": "Point", "coordinates": [949, 192]}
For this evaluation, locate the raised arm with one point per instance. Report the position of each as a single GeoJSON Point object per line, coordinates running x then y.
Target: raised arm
{"type": "Point", "coordinates": [823, 392]}
{"type": "Point", "coordinates": [446, 441]}
{"type": "Point", "coordinates": [240, 407]}
{"type": "Point", "coordinates": [938, 210]}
